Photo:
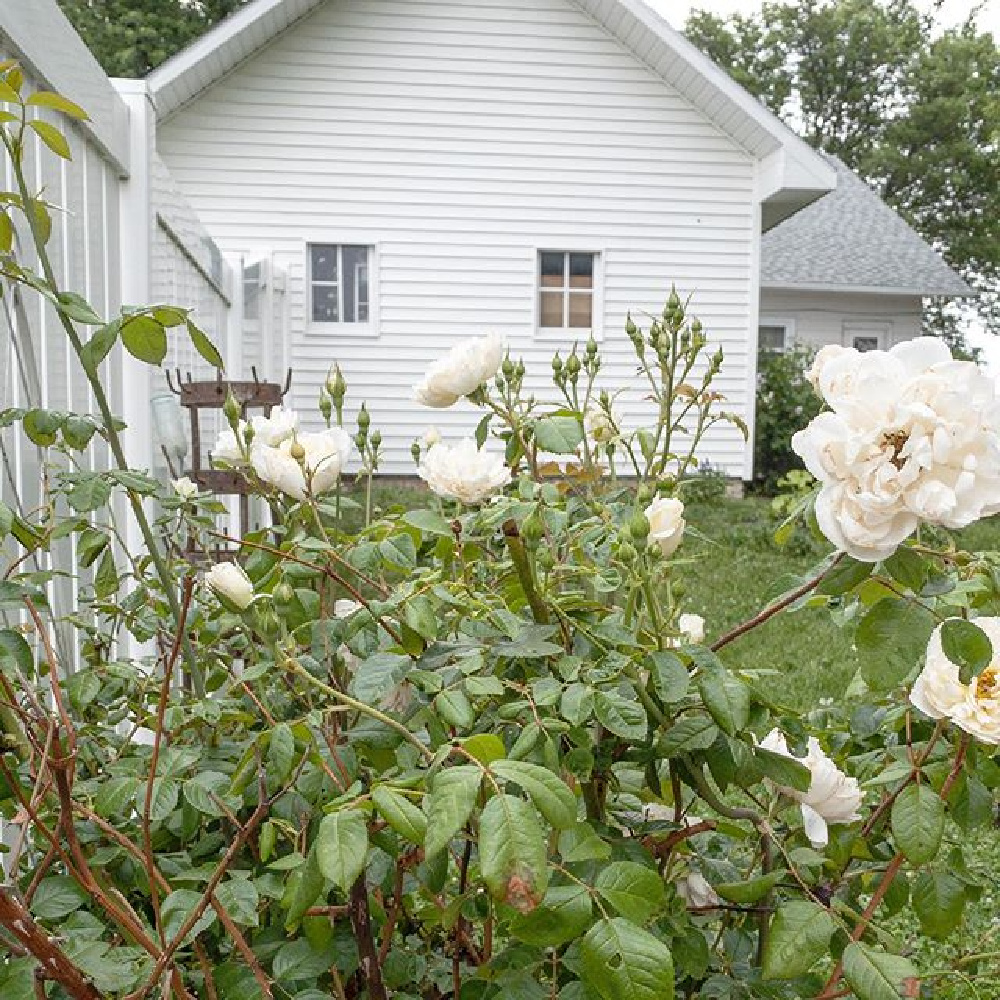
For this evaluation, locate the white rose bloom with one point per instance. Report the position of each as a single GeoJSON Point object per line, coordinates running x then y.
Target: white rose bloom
{"type": "Point", "coordinates": [229, 580]}
{"type": "Point", "coordinates": [185, 488]}
{"type": "Point", "coordinates": [278, 426]}
{"type": "Point", "coordinates": [326, 452]}
{"type": "Point", "coordinates": [600, 427]}
{"type": "Point", "coordinates": [462, 472]}
{"type": "Point", "coordinates": [939, 692]}
{"type": "Point", "coordinates": [461, 371]}
{"type": "Point", "coordinates": [692, 628]}
{"type": "Point", "coordinates": [666, 523]}
{"type": "Point", "coordinates": [432, 436]}
{"type": "Point", "coordinates": [227, 447]}
{"type": "Point", "coordinates": [911, 436]}
{"type": "Point", "coordinates": [696, 891]}
{"type": "Point", "coordinates": [833, 797]}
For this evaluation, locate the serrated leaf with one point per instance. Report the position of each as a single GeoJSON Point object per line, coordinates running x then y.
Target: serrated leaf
{"type": "Point", "coordinates": [693, 732]}
{"type": "Point", "coordinates": [204, 346]}
{"type": "Point", "coordinates": [620, 715]}
{"type": "Point", "coordinates": [624, 962]}
{"type": "Point", "coordinates": [671, 679]}
{"type": "Point", "coordinates": [15, 649]}
{"type": "Point", "coordinates": [938, 899]}
{"type": "Point", "coordinates": [485, 747]}
{"type": "Point", "coordinates": [550, 794]}
{"type": "Point", "coordinates": [892, 637]}
{"type": "Point", "coordinates": [341, 847]}
{"type": "Point", "coordinates": [428, 522]}
{"type": "Point", "coordinates": [512, 854]}
{"type": "Point", "coordinates": [559, 435]}
{"type": "Point", "coordinates": [561, 916]}
{"type": "Point", "coordinates": [908, 568]}
{"type": "Point", "coordinates": [240, 899]}
{"type": "Point", "coordinates": [726, 697]}
{"type": "Point", "coordinates": [404, 816]}
{"type": "Point", "coordinates": [967, 646]}
{"type": "Point", "coordinates": [56, 897]}
{"type": "Point", "coordinates": [42, 426]}
{"type": "Point", "coordinates": [786, 772]}
{"type": "Point", "coordinates": [875, 974]}
{"type": "Point", "coordinates": [163, 802]}
{"type": "Point", "coordinates": [845, 576]}
{"type": "Point", "coordinates": [98, 347]}
{"type": "Point", "coordinates": [799, 937]}
{"type": "Point", "coordinates": [144, 339]}
{"type": "Point", "coordinates": [635, 891]}
{"type": "Point", "coordinates": [174, 911]}
{"type": "Point", "coordinates": [918, 823]}
{"type": "Point", "coordinates": [280, 755]}
{"type": "Point", "coordinates": [308, 885]}
{"type": "Point", "coordinates": [751, 890]}
{"type": "Point", "coordinates": [455, 709]}
{"type": "Point", "coordinates": [449, 804]}
{"type": "Point", "coordinates": [576, 704]}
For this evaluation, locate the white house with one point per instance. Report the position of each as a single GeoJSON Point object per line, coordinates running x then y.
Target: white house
{"type": "Point", "coordinates": [848, 270]}
{"type": "Point", "coordinates": [423, 172]}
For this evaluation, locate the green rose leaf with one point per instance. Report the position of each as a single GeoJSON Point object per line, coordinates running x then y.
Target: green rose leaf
{"type": "Point", "coordinates": [694, 732]}
{"type": "Point", "coordinates": [967, 645]}
{"type": "Point", "coordinates": [624, 962]}
{"type": "Point", "coordinates": [938, 900]}
{"type": "Point", "coordinates": [918, 823]}
{"type": "Point", "coordinates": [144, 339]}
{"type": "Point", "coordinates": [620, 715]}
{"type": "Point", "coordinates": [726, 697]}
{"type": "Point", "coordinates": [404, 816]}
{"type": "Point", "coordinates": [550, 794]}
{"type": "Point", "coordinates": [512, 852]}
{"type": "Point", "coordinates": [875, 974]}
{"type": "Point", "coordinates": [563, 914]}
{"type": "Point", "coordinates": [559, 435]}
{"type": "Point", "coordinates": [800, 936]}
{"type": "Point", "coordinates": [751, 891]}
{"type": "Point", "coordinates": [341, 846]}
{"type": "Point", "coordinates": [449, 805]}
{"type": "Point", "coordinates": [634, 890]}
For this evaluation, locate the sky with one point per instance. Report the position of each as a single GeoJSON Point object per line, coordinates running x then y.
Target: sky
{"type": "Point", "coordinates": [950, 14]}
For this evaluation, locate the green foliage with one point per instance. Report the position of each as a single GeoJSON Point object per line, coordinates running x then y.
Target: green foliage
{"type": "Point", "coordinates": [785, 402]}
{"type": "Point", "coordinates": [131, 37]}
{"type": "Point", "coordinates": [505, 769]}
{"type": "Point", "coordinates": [911, 109]}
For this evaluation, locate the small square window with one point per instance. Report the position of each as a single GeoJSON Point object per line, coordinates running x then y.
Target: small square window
{"type": "Point", "coordinates": [865, 343]}
{"type": "Point", "coordinates": [566, 288]}
{"type": "Point", "coordinates": [771, 337]}
{"type": "Point", "coordinates": [339, 283]}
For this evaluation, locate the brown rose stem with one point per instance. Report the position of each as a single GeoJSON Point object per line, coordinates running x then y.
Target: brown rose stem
{"type": "Point", "coordinates": [892, 870]}
{"type": "Point", "coordinates": [361, 924]}
{"type": "Point", "coordinates": [772, 609]}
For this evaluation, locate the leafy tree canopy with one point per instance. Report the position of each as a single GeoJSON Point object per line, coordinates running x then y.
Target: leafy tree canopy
{"type": "Point", "coordinates": [131, 37]}
{"type": "Point", "coordinates": [914, 111]}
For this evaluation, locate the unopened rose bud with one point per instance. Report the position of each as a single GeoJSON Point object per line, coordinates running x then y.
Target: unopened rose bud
{"type": "Point", "coordinates": [507, 367]}
{"type": "Point", "coordinates": [364, 420]}
{"type": "Point", "coordinates": [533, 530]}
{"type": "Point", "coordinates": [638, 527]}
{"type": "Point", "coordinates": [283, 594]}
{"type": "Point", "coordinates": [297, 451]}
{"type": "Point", "coordinates": [573, 366]}
{"type": "Point", "coordinates": [415, 451]}
{"type": "Point", "coordinates": [325, 406]}
{"type": "Point", "coordinates": [229, 581]}
{"type": "Point", "coordinates": [591, 346]}
{"type": "Point", "coordinates": [696, 326]}
{"type": "Point", "coordinates": [627, 553]}
{"type": "Point", "coordinates": [557, 365]}
{"type": "Point", "coordinates": [376, 439]}
{"type": "Point", "coordinates": [231, 410]}
{"type": "Point", "coordinates": [673, 301]}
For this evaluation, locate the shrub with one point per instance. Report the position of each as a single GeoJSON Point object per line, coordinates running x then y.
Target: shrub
{"type": "Point", "coordinates": [785, 402]}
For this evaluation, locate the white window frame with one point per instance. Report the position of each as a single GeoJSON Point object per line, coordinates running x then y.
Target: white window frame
{"type": "Point", "coordinates": [878, 327]}
{"type": "Point", "coordinates": [568, 334]}
{"type": "Point", "coordinates": [788, 322]}
{"type": "Point", "coordinates": [341, 330]}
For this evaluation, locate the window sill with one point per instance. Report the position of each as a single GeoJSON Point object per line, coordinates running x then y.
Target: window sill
{"type": "Point", "coordinates": [568, 334]}
{"type": "Point", "coordinates": [343, 331]}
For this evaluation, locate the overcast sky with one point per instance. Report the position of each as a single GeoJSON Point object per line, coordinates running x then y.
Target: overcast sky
{"type": "Point", "coordinates": [950, 14]}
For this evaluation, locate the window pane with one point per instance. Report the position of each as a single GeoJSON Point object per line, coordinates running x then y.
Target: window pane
{"type": "Point", "coordinates": [581, 270]}
{"type": "Point", "coordinates": [355, 264]}
{"type": "Point", "coordinates": [550, 309]}
{"type": "Point", "coordinates": [580, 309]}
{"type": "Point", "coordinates": [251, 291]}
{"type": "Point", "coordinates": [551, 268]}
{"type": "Point", "coordinates": [866, 343]}
{"type": "Point", "coordinates": [324, 262]}
{"type": "Point", "coordinates": [324, 300]}
{"type": "Point", "coordinates": [771, 338]}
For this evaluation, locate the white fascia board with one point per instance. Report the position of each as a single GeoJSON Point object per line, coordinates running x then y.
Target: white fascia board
{"type": "Point", "coordinates": [819, 286]}
{"type": "Point", "coordinates": [791, 178]}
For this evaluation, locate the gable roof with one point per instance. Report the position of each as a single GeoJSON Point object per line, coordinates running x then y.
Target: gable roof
{"type": "Point", "coordinates": [852, 240]}
{"type": "Point", "coordinates": [790, 174]}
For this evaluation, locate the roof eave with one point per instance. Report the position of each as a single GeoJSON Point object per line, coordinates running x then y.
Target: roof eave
{"type": "Point", "coordinates": [791, 178]}
{"type": "Point", "coordinates": [819, 286]}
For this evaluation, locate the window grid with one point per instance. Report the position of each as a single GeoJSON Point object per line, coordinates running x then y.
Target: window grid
{"type": "Point", "coordinates": [566, 290]}
{"type": "Point", "coordinates": [361, 303]}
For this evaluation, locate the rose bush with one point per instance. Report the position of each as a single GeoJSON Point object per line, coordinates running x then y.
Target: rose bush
{"type": "Point", "coordinates": [483, 748]}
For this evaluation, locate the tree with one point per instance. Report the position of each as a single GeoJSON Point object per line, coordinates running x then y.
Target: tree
{"type": "Point", "coordinates": [131, 37]}
{"type": "Point", "coordinates": [913, 112]}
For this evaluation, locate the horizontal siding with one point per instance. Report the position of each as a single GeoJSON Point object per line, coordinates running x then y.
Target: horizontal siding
{"type": "Point", "coordinates": [460, 138]}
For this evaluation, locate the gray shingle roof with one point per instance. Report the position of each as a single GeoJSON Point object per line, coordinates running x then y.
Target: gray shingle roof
{"type": "Point", "coordinates": [851, 239]}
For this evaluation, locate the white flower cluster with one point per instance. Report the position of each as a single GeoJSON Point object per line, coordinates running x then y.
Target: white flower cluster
{"type": "Point", "coordinates": [911, 435]}
{"type": "Point", "coordinates": [297, 463]}
{"type": "Point", "coordinates": [463, 472]}
{"type": "Point", "coordinates": [939, 692]}
{"type": "Point", "coordinates": [461, 371]}
{"type": "Point", "coordinates": [833, 797]}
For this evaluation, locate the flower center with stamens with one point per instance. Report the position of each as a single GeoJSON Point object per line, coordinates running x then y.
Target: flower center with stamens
{"type": "Point", "coordinates": [987, 684]}
{"type": "Point", "coordinates": [896, 440]}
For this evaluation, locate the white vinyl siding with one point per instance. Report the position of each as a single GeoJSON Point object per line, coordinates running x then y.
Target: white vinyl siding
{"type": "Point", "coordinates": [462, 137]}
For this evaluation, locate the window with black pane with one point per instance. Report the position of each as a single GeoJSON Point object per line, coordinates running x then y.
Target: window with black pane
{"type": "Point", "coordinates": [339, 283]}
